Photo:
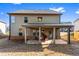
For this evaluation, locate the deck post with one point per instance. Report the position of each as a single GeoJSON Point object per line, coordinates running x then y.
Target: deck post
{"type": "Point", "coordinates": [54, 37]}
{"type": "Point", "coordinates": [9, 27]}
{"type": "Point", "coordinates": [25, 35]}
{"type": "Point", "coordinates": [39, 34]}
{"type": "Point", "coordinates": [68, 36]}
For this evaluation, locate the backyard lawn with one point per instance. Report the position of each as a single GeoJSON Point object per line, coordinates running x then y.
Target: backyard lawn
{"type": "Point", "coordinates": [10, 48]}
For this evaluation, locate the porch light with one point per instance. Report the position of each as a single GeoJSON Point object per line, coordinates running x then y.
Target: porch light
{"type": "Point", "coordinates": [39, 19]}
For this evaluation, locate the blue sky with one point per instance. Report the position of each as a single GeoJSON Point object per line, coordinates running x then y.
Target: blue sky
{"type": "Point", "coordinates": [70, 11]}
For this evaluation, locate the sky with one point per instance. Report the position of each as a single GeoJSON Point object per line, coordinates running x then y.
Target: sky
{"type": "Point", "coordinates": [70, 11]}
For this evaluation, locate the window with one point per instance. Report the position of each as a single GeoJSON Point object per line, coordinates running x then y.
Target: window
{"type": "Point", "coordinates": [39, 19]}
{"type": "Point", "coordinates": [20, 31]}
{"type": "Point", "coordinates": [13, 19]}
{"type": "Point", "coordinates": [25, 19]}
{"type": "Point", "coordinates": [20, 34]}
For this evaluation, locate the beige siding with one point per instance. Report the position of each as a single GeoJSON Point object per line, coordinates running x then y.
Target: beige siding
{"type": "Point", "coordinates": [19, 20]}
{"type": "Point", "coordinates": [46, 19]}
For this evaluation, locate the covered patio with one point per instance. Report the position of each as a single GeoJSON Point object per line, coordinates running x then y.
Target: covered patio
{"type": "Point", "coordinates": [39, 26]}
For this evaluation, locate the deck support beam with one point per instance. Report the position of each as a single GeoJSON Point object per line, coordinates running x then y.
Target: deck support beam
{"type": "Point", "coordinates": [54, 33]}
{"type": "Point", "coordinates": [9, 27]}
{"type": "Point", "coordinates": [39, 34]}
{"type": "Point", "coordinates": [25, 35]}
{"type": "Point", "coordinates": [68, 36]}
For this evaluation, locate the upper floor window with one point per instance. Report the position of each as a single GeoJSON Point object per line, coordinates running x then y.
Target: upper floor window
{"type": "Point", "coordinates": [25, 19]}
{"type": "Point", "coordinates": [13, 19]}
{"type": "Point", "coordinates": [39, 19]}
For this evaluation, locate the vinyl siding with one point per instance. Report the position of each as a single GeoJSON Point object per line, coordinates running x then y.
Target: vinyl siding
{"type": "Point", "coordinates": [19, 20]}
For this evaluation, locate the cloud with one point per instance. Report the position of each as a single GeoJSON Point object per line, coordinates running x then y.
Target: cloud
{"type": "Point", "coordinates": [60, 9]}
{"type": "Point", "coordinates": [17, 3]}
{"type": "Point", "coordinates": [77, 12]}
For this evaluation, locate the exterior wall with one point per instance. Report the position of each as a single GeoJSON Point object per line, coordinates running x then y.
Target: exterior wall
{"type": "Point", "coordinates": [2, 28]}
{"type": "Point", "coordinates": [76, 25]}
{"type": "Point", "coordinates": [76, 29]}
{"type": "Point", "coordinates": [46, 19]}
{"type": "Point", "coordinates": [19, 20]}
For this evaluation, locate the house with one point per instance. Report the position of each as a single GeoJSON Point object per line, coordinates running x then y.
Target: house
{"type": "Point", "coordinates": [2, 28]}
{"type": "Point", "coordinates": [76, 25]}
{"type": "Point", "coordinates": [65, 29]}
{"type": "Point", "coordinates": [36, 24]}
{"type": "Point", "coordinates": [76, 29]}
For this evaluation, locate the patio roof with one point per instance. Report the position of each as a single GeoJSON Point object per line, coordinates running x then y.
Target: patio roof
{"type": "Point", "coordinates": [46, 25]}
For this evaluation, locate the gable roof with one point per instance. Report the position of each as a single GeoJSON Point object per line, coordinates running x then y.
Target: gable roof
{"type": "Point", "coordinates": [76, 20]}
{"type": "Point", "coordinates": [66, 22]}
{"type": "Point", "coordinates": [2, 22]}
{"type": "Point", "coordinates": [35, 12]}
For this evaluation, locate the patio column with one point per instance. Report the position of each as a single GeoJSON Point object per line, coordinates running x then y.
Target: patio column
{"type": "Point", "coordinates": [68, 36]}
{"type": "Point", "coordinates": [9, 27]}
{"type": "Point", "coordinates": [39, 34]}
{"type": "Point", "coordinates": [25, 35]}
{"type": "Point", "coordinates": [54, 37]}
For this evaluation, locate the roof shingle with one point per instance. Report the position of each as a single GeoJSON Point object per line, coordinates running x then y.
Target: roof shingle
{"type": "Point", "coordinates": [35, 12]}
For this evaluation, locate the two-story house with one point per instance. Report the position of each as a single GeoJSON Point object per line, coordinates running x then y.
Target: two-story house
{"type": "Point", "coordinates": [36, 25]}
{"type": "Point", "coordinates": [2, 28]}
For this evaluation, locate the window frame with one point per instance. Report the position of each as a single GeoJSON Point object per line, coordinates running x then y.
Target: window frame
{"type": "Point", "coordinates": [25, 19]}
{"type": "Point", "coordinates": [13, 19]}
{"type": "Point", "coordinates": [39, 19]}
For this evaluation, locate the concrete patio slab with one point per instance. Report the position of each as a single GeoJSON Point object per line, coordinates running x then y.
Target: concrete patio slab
{"type": "Point", "coordinates": [58, 41]}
